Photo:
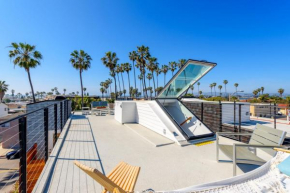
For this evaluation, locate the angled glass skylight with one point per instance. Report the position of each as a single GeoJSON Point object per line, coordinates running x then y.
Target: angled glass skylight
{"type": "Point", "coordinates": [188, 75]}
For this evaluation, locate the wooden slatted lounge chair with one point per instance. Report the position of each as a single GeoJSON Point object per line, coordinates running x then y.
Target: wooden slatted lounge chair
{"type": "Point", "coordinates": [122, 178]}
{"type": "Point", "coordinates": [263, 137]}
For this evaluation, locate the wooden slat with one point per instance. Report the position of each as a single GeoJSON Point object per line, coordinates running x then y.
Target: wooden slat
{"type": "Point", "coordinates": [123, 174]}
{"type": "Point", "coordinates": [135, 176]}
{"type": "Point", "coordinates": [269, 130]}
{"type": "Point", "coordinates": [116, 170]}
{"type": "Point", "coordinates": [126, 177]}
{"type": "Point", "coordinates": [127, 181]}
{"type": "Point", "coordinates": [118, 173]}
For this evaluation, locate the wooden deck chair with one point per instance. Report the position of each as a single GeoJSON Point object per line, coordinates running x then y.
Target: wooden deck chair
{"type": "Point", "coordinates": [263, 137]}
{"type": "Point", "coordinates": [122, 178]}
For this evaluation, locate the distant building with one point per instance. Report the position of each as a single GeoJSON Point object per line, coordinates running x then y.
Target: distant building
{"type": "Point", "coordinates": [267, 110]}
{"type": "Point", "coordinates": [3, 110]}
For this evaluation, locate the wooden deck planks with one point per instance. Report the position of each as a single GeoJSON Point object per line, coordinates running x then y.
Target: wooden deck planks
{"type": "Point", "coordinates": [78, 145]}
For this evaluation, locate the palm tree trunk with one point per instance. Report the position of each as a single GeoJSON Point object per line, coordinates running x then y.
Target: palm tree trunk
{"type": "Point", "coordinates": [154, 83]}
{"type": "Point", "coordinates": [82, 87]}
{"type": "Point", "coordinates": [115, 87]}
{"type": "Point", "coordinates": [32, 91]}
{"type": "Point", "coordinates": [129, 84]}
{"type": "Point", "coordinates": [156, 80]}
{"type": "Point", "coordinates": [134, 75]}
{"type": "Point", "coordinates": [123, 81]}
{"type": "Point", "coordinates": [164, 79]}
{"type": "Point", "coordinates": [144, 84]}
{"type": "Point", "coordinates": [119, 81]}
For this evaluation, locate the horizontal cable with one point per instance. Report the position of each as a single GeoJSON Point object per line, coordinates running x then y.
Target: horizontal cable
{"type": "Point", "coordinates": [36, 153]}
{"type": "Point", "coordinates": [8, 128]}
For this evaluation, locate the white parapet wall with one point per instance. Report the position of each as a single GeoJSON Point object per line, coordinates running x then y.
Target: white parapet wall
{"type": "Point", "coordinates": [149, 115]}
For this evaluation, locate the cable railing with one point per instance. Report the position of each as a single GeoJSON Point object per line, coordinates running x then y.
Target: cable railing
{"type": "Point", "coordinates": [235, 116]}
{"type": "Point", "coordinates": [26, 142]}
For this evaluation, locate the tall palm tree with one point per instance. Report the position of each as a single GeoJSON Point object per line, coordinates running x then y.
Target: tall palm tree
{"type": "Point", "coordinates": [128, 68]}
{"type": "Point", "coordinates": [200, 93]}
{"type": "Point", "coordinates": [149, 77]}
{"type": "Point", "coordinates": [262, 89]}
{"type": "Point", "coordinates": [198, 84]}
{"type": "Point", "coordinates": [255, 92]}
{"type": "Point", "coordinates": [64, 90]}
{"type": "Point", "coordinates": [152, 65]}
{"type": "Point", "coordinates": [3, 89]}
{"type": "Point", "coordinates": [281, 91]}
{"type": "Point", "coordinates": [140, 77]}
{"type": "Point", "coordinates": [164, 70]}
{"type": "Point", "coordinates": [181, 63]}
{"type": "Point", "coordinates": [214, 85]}
{"type": "Point", "coordinates": [118, 70]}
{"type": "Point", "coordinates": [172, 67]}
{"type": "Point", "coordinates": [110, 81]}
{"type": "Point", "coordinates": [122, 71]}
{"type": "Point", "coordinates": [55, 89]}
{"type": "Point", "coordinates": [211, 89]}
{"type": "Point", "coordinates": [142, 56]}
{"type": "Point", "coordinates": [110, 61]}
{"type": "Point", "coordinates": [225, 83]}
{"type": "Point", "coordinates": [102, 91]}
{"type": "Point", "coordinates": [27, 57]}
{"type": "Point", "coordinates": [12, 92]}
{"type": "Point", "coordinates": [236, 85]}
{"type": "Point", "coordinates": [133, 56]}
{"type": "Point", "coordinates": [81, 61]}
{"type": "Point", "coordinates": [259, 90]}
{"type": "Point", "coordinates": [220, 87]}
{"type": "Point", "coordinates": [85, 89]}
{"type": "Point", "coordinates": [157, 72]}
{"type": "Point", "coordinates": [192, 88]}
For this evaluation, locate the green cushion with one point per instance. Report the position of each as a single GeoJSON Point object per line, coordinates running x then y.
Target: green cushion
{"type": "Point", "coordinates": [284, 166]}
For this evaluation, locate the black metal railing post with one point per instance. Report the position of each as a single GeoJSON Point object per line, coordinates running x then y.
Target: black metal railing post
{"type": "Point", "coordinates": [61, 110]}
{"type": "Point", "coordinates": [240, 120]}
{"type": "Point", "coordinates": [64, 111]}
{"type": "Point", "coordinates": [201, 113]}
{"type": "Point", "coordinates": [55, 123]}
{"type": "Point", "coordinates": [235, 116]}
{"type": "Point", "coordinates": [46, 133]}
{"type": "Point", "coordinates": [221, 117]}
{"type": "Point", "coordinates": [68, 113]}
{"type": "Point", "coordinates": [23, 155]}
{"type": "Point", "coordinates": [275, 115]}
{"type": "Point", "coordinates": [270, 110]}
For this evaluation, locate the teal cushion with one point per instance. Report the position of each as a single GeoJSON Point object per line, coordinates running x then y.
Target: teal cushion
{"type": "Point", "coordinates": [284, 166]}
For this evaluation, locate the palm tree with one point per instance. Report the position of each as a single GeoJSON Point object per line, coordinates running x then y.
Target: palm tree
{"type": "Point", "coordinates": [25, 56]}
{"type": "Point", "coordinates": [128, 68]}
{"type": "Point", "coordinates": [64, 90]}
{"type": "Point", "coordinates": [262, 89]}
{"type": "Point", "coordinates": [55, 89]}
{"type": "Point", "coordinates": [85, 90]}
{"type": "Point", "coordinates": [200, 93]}
{"type": "Point", "coordinates": [181, 63]}
{"type": "Point", "coordinates": [149, 77]}
{"type": "Point", "coordinates": [157, 71]}
{"type": "Point", "coordinates": [259, 90]}
{"type": "Point", "coordinates": [110, 81]}
{"type": "Point", "coordinates": [3, 89]}
{"type": "Point", "coordinates": [220, 87]}
{"type": "Point", "coordinates": [192, 88]}
{"type": "Point", "coordinates": [81, 61]}
{"type": "Point", "coordinates": [211, 89]}
{"type": "Point", "coordinates": [52, 90]}
{"type": "Point", "coordinates": [133, 55]}
{"type": "Point", "coordinates": [172, 66]}
{"type": "Point", "coordinates": [12, 92]}
{"type": "Point", "coordinates": [102, 91]}
{"type": "Point", "coordinates": [255, 92]}
{"type": "Point", "coordinates": [164, 69]}
{"type": "Point", "coordinates": [281, 91]}
{"type": "Point", "coordinates": [198, 84]}
{"type": "Point", "coordinates": [225, 83]}
{"type": "Point", "coordinates": [214, 85]}
{"type": "Point", "coordinates": [142, 56]}
{"type": "Point", "coordinates": [122, 71]}
{"type": "Point", "coordinates": [236, 85]}
{"type": "Point", "coordinates": [26, 94]}
{"type": "Point", "coordinates": [140, 77]}
{"type": "Point", "coordinates": [152, 65]}
{"type": "Point", "coordinates": [118, 70]}
{"type": "Point", "coordinates": [110, 61]}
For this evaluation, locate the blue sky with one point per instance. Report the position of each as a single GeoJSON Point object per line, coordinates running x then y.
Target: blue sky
{"type": "Point", "coordinates": [249, 40]}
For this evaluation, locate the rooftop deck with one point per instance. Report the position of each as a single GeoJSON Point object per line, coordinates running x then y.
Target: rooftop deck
{"type": "Point", "coordinates": [102, 142]}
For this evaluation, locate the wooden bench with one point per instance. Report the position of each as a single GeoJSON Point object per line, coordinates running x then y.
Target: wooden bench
{"type": "Point", "coordinates": [121, 179]}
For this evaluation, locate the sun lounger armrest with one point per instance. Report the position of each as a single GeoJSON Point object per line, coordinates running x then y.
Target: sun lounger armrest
{"type": "Point", "coordinates": [255, 145]}
{"type": "Point", "coordinates": [231, 133]}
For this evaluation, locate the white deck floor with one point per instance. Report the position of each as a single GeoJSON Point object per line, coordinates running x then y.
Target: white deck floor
{"type": "Point", "coordinates": [102, 142]}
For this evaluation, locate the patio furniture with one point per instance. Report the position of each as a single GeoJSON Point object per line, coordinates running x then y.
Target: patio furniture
{"type": "Point", "coordinates": [85, 110]}
{"type": "Point", "coordinates": [121, 179]}
{"type": "Point", "coordinates": [263, 137]}
{"type": "Point", "coordinates": [99, 107]}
